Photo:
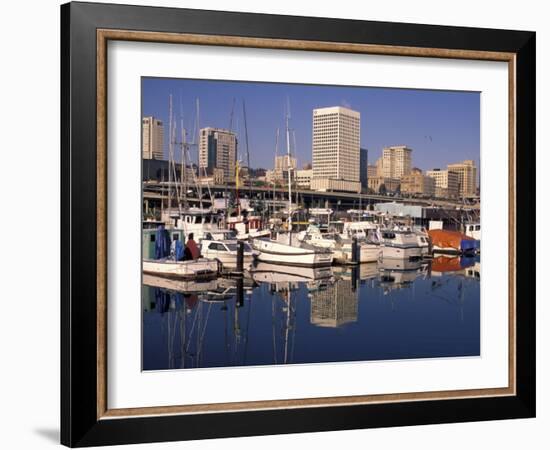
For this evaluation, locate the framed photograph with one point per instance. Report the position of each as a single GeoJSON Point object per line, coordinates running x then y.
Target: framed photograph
{"type": "Point", "coordinates": [277, 224]}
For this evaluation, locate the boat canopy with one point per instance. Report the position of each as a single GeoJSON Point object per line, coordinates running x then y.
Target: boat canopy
{"type": "Point", "coordinates": [452, 239]}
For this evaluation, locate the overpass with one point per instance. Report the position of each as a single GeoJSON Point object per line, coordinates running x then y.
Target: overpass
{"type": "Point", "coordinates": [155, 191]}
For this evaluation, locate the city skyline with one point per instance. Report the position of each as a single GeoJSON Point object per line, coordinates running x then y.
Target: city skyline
{"type": "Point", "coordinates": [441, 127]}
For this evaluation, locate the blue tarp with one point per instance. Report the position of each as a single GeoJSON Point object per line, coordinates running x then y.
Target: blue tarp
{"type": "Point", "coordinates": [179, 250]}
{"type": "Point", "coordinates": [469, 245]}
{"type": "Point", "coordinates": [162, 243]}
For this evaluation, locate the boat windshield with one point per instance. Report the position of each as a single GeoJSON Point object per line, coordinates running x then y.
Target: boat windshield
{"type": "Point", "coordinates": [233, 247]}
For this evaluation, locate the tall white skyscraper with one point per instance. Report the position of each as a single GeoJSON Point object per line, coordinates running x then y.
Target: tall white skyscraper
{"type": "Point", "coordinates": [152, 138]}
{"type": "Point", "coordinates": [336, 141]}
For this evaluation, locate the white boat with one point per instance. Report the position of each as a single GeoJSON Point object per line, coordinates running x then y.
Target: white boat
{"type": "Point", "coordinates": [247, 228]}
{"type": "Point", "coordinates": [226, 251]}
{"type": "Point", "coordinates": [191, 269]}
{"type": "Point", "coordinates": [473, 230]}
{"type": "Point", "coordinates": [369, 252]}
{"type": "Point", "coordinates": [359, 229]}
{"type": "Point", "coordinates": [292, 253]}
{"type": "Point", "coordinates": [424, 243]}
{"type": "Point", "coordinates": [341, 247]}
{"type": "Point", "coordinates": [198, 221]}
{"type": "Point", "coordinates": [399, 244]}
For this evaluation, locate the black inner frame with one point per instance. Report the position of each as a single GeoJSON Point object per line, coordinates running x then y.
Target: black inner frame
{"type": "Point", "coordinates": [79, 424]}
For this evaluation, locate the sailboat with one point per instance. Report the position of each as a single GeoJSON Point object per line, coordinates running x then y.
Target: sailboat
{"type": "Point", "coordinates": [286, 250]}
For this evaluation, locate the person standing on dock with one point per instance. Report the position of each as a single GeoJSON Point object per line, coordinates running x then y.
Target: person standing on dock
{"type": "Point", "coordinates": [193, 247]}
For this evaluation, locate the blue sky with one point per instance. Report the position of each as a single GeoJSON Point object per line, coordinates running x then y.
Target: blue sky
{"type": "Point", "coordinates": [440, 126]}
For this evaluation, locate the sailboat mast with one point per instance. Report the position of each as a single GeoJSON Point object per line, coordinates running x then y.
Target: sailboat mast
{"type": "Point", "coordinates": [289, 177]}
{"type": "Point", "coordinates": [198, 153]}
{"type": "Point", "coordinates": [274, 178]}
{"type": "Point", "coordinates": [183, 165]}
{"type": "Point", "coordinates": [247, 153]}
{"type": "Point", "coordinates": [170, 157]}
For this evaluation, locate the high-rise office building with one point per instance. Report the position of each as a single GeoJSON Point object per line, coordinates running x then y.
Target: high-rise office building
{"type": "Point", "coordinates": [446, 183]}
{"type": "Point", "coordinates": [217, 150]}
{"type": "Point", "coordinates": [336, 154]}
{"type": "Point", "coordinates": [416, 183]}
{"type": "Point", "coordinates": [396, 161]}
{"type": "Point", "coordinates": [467, 177]}
{"type": "Point", "coordinates": [152, 132]}
{"type": "Point", "coordinates": [285, 162]}
{"type": "Point", "coordinates": [372, 171]}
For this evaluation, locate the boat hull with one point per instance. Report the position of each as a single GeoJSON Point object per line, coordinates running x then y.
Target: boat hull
{"type": "Point", "coordinates": [229, 260]}
{"type": "Point", "coordinates": [277, 253]}
{"type": "Point", "coordinates": [394, 252]}
{"type": "Point", "coordinates": [369, 253]}
{"type": "Point", "coordinates": [454, 251]}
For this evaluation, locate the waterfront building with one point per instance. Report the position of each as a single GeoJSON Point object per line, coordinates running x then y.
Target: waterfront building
{"type": "Point", "coordinates": [152, 142]}
{"type": "Point", "coordinates": [446, 183]}
{"type": "Point", "coordinates": [402, 210]}
{"type": "Point", "coordinates": [395, 162]}
{"type": "Point", "coordinates": [336, 152]}
{"type": "Point", "coordinates": [284, 162]}
{"type": "Point", "coordinates": [303, 178]}
{"type": "Point", "coordinates": [217, 150]}
{"type": "Point", "coordinates": [158, 170]}
{"type": "Point", "coordinates": [280, 173]}
{"type": "Point", "coordinates": [416, 183]}
{"type": "Point", "coordinates": [379, 167]}
{"type": "Point", "coordinates": [372, 171]}
{"type": "Point", "coordinates": [335, 305]}
{"type": "Point", "coordinates": [381, 185]}
{"type": "Point", "coordinates": [467, 177]}
{"type": "Point", "coordinates": [217, 177]}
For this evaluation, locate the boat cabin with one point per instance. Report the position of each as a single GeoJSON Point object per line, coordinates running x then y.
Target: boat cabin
{"type": "Point", "coordinates": [149, 237]}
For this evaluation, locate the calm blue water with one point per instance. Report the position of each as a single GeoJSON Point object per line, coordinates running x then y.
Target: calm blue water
{"type": "Point", "coordinates": [379, 311]}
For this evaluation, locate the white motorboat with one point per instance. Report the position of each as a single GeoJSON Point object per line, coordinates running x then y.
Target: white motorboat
{"type": "Point", "coordinates": [201, 268]}
{"type": "Point", "coordinates": [400, 244]}
{"type": "Point", "coordinates": [473, 230]}
{"type": "Point", "coordinates": [341, 247]}
{"type": "Point", "coordinates": [198, 221]}
{"type": "Point", "coordinates": [248, 228]}
{"type": "Point", "coordinates": [369, 252]}
{"type": "Point", "coordinates": [424, 242]}
{"type": "Point", "coordinates": [359, 229]}
{"type": "Point", "coordinates": [292, 252]}
{"type": "Point", "coordinates": [226, 251]}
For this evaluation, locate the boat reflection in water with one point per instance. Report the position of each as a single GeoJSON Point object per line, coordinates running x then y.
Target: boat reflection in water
{"type": "Point", "coordinates": [392, 309]}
